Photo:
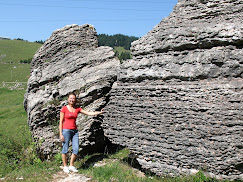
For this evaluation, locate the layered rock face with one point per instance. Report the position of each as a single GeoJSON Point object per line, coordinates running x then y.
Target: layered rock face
{"type": "Point", "coordinates": [178, 104]}
{"type": "Point", "coordinates": [69, 61]}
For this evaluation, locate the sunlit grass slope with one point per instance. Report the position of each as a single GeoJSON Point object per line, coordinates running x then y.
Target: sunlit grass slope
{"type": "Point", "coordinates": [16, 50]}
{"type": "Point", "coordinates": [11, 53]}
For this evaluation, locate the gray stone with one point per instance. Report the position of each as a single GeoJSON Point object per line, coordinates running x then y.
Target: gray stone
{"type": "Point", "coordinates": [69, 61]}
{"type": "Point", "coordinates": [180, 96]}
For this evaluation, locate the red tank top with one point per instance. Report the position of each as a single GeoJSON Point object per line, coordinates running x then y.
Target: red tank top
{"type": "Point", "coordinates": [69, 121]}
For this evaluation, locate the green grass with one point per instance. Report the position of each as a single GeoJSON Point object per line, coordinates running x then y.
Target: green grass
{"type": "Point", "coordinates": [120, 49]}
{"type": "Point", "coordinates": [14, 132]}
{"type": "Point", "coordinates": [18, 157]}
{"type": "Point", "coordinates": [122, 53]}
{"type": "Point", "coordinates": [11, 53]}
{"type": "Point", "coordinates": [41, 172]}
{"type": "Point", "coordinates": [14, 72]}
{"type": "Point", "coordinates": [115, 171]}
{"type": "Point", "coordinates": [118, 168]}
{"type": "Point", "coordinates": [16, 50]}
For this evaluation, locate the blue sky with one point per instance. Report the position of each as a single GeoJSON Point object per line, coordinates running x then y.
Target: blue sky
{"type": "Point", "coordinates": [36, 20]}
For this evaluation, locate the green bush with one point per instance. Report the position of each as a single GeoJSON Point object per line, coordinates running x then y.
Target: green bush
{"type": "Point", "coordinates": [200, 177]}
{"type": "Point", "coordinates": [26, 61]}
{"type": "Point", "coordinates": [122, 54]}
{"type": "Point", "coordinates": [58, 158]}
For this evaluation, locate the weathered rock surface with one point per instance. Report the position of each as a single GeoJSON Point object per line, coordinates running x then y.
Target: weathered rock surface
{"type": "Point", "coordinates": [178, 104]}
{"type": "Point", "coordinates": [69, 61]}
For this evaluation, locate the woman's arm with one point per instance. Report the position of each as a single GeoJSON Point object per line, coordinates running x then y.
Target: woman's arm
{"type": "Point", "coordinates": [60, 126]}
{"type": "Point", "coordinates": [91, 113]}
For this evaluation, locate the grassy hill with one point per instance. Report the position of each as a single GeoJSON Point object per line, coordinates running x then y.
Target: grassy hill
{"type": "Point", "coordinates": [17, 151]}
{"type": "Point", "coordinates": [122, 53]}
{"type": "Point", "coordinates": [11, 53]}
{"type": "Point", "coordinates": [120, 50]}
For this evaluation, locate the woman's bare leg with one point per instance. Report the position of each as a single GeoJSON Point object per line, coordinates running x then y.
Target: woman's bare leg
{"type": "Point", "coordinates": [73, 158]}
{"type": "Point", "coordinates": [64, 159]}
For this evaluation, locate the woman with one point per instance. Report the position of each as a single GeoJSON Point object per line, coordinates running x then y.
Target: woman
{"type": "Point", "coordinates": [68, 130]}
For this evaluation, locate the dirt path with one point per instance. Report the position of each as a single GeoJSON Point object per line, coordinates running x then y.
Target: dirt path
{"type": "Point", "coordinates": [71, 177]}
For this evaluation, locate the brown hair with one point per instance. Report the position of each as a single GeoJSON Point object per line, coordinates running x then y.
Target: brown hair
{"type": "Point", "coordinates": [71, 93]}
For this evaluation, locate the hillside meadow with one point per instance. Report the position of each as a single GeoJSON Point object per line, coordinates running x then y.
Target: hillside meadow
{"type": "Point", "coordinates": [11, 53]}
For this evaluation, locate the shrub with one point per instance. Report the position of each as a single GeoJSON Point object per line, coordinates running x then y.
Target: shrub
{"type": "Point", "coordinates": [26, 61]}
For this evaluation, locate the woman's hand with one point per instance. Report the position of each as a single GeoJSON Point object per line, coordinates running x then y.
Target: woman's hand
{"type": "Point", "coordinates": [102, 110]}
{"type": "Point", "coordinates": [62, 138]}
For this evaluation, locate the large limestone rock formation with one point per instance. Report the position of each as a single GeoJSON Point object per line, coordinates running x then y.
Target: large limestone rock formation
{"type": "Point", "coordinates": [178, 104]}
{"type": "Point", "coordinates": [69, 61]}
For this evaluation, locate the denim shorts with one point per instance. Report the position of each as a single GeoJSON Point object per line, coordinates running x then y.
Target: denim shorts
{"type": "Point", "coordinates": [73, 136]}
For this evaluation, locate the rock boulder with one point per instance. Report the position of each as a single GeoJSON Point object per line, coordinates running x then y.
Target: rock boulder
{"type": "Point", "coordinates": [69, 61]}
{"type": "Point", "coordinates": [178, 103]}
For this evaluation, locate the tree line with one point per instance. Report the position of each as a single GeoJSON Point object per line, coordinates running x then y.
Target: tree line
{"type": "Point", "coordinates": [117, 40]}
